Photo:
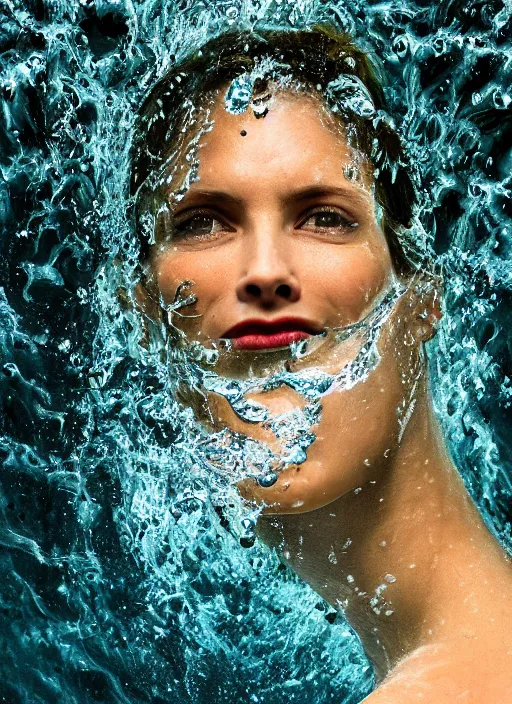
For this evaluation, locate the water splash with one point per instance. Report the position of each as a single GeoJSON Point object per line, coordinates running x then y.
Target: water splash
{"type": "Point", "coordinates": [336, 360]}
{"type": "Point", "coordinates": [123, 582]}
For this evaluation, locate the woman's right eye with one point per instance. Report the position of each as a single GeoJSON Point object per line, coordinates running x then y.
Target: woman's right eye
{"type": "Point", "coordinates": [197, 226]}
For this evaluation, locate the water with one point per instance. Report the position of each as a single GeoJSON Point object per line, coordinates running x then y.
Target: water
{"type": "Point", "coordinates": [335, 361]}
{"type": "Point", "coordinates": [123, 577]}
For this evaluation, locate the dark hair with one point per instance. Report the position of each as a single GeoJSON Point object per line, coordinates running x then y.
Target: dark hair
{"type": "Point", "coordinates": [315, 57]}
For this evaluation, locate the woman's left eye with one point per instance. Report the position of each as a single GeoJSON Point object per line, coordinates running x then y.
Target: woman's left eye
{"type": "Point", "coordinates": [328, 219]}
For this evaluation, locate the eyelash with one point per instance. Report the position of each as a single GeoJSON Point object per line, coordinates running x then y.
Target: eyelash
{"type": "Point", "coordinates": [194, 215]}
{"type": "Point", "coordinates": [347, 223]}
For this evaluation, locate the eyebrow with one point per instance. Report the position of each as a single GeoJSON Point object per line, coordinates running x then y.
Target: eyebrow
{"type": "Point", "coordinates": [301, 194]}
{"type": "Point", "coordinates": [326, 190]}
{"type": "Point", "coordinates": [216, 196]}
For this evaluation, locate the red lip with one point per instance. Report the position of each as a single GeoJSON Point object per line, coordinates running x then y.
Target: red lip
{"type": "Point", "coordinates": [257, 334]}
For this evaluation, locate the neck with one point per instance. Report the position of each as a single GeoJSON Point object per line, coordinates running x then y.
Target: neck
{"type": "Point", "coordinates": [400, 555]}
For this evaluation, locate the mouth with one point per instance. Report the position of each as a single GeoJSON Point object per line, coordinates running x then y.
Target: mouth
{"type": "Point", "coordinates": [257, 334]}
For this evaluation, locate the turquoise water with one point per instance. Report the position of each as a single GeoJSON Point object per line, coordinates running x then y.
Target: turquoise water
{"type": "Point", "coordinates": [122, 581]}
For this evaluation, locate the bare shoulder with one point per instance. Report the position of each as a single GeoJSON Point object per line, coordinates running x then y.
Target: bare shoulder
{"type": "Point", "coordinates": [471, 672]}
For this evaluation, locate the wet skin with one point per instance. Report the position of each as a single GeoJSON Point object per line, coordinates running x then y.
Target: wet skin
{"type": "Point", "coordinates": [259, 243]}
{"type": "Point", "coordinates": [273, 228]}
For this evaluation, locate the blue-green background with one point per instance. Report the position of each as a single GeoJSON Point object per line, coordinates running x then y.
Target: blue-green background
{"type": "Point", "coordinates": [119, 582]}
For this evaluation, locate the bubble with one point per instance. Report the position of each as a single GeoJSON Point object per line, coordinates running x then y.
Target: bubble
{"type": "Point", "coordinates": [350, 172]}
{"type": "Point", "coordinates": [247, 524]}
{"type": "Point", "coordinates": [232, 12]}
{"type": "Point", "coordinates": [401, 46]}
{"type": "Point", "coordinates": [439, 46]}
{"type": "Point", "coordinates": [500, 99]}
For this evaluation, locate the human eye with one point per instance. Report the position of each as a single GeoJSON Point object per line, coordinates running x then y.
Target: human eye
{"type": "Point", "coordinates": [197, 225]}
{"type": "Point", "coordinates": [328, 220]}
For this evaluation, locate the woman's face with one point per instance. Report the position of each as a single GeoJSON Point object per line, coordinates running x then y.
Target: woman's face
{"type": "Point", "coordinates": [273, 228]}
{"type": "Point", "coordinates": [280, 241]}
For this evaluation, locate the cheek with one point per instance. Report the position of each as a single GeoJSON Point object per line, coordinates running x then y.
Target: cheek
{"type": "Point", "coordinates": [350, 277]}
{"type": "Point", "coordinates": [207, 273]}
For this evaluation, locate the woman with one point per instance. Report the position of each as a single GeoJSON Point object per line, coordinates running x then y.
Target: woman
{"type": "Point", "coordinates": [271, 183]}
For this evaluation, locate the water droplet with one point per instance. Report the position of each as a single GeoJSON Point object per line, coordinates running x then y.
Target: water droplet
{"type": "Point", "coordinates": [475, 190]}
{"type": "Point", "coordinates": [247, 524]}
{"type": "Point", "coordinates": [350, 172]}
{"type": "Point", "coordinates": [501, 100]}
{"type": "Point", "coordinates": [349, 93]}
{"type": "Point", "coordinates": [401, 47]}
{"type": "Point", "coordinates": [439, 46]}
{"type": "Point", "coordinates": [267, 480]}
{"type": "Point", "coordinates": [247, 541]}
{"type": "Point", "coordinates": [239, 94]}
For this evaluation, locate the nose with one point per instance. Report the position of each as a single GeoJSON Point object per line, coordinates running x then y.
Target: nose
{"type": "Point", "coordinates": [268, 279]}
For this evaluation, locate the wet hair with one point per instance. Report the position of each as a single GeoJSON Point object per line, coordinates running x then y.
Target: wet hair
{"type": "Point", "coordinates": [315, 58]}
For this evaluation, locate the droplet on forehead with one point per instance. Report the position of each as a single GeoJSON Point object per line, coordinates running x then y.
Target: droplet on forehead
{"type": "Point", "coordinates": [260, 109]}
{"type": "Point", "coordinates": [350, 172]}
{"type": "Point", "coordinates": [239, 94]}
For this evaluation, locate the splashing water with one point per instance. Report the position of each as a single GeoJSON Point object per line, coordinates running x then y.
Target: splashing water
{"type": "Point", "coordinates": [124, 579]}
{"type": "Point", "coordinates": [237, 457]}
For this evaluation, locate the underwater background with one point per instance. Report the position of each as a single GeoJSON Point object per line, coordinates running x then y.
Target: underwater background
{"type": "Point", "coordinates": [121, 581]}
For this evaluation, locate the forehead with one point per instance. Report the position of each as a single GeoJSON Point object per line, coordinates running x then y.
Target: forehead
{"type": "Point", "coordinates": [296, 139]}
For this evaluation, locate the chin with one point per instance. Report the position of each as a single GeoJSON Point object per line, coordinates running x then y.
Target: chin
{"type": "Point", "coordinates": [299, 489]}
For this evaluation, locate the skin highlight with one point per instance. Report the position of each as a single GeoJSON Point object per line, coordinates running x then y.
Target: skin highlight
{"type": "Point", "coordinates": [377, 520]}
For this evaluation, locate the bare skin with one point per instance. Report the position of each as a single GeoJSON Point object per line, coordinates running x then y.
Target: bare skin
{"type": "Point", "coordinates": [449, 630]}
{"type": "Point", "coordinates": [377, 519]}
